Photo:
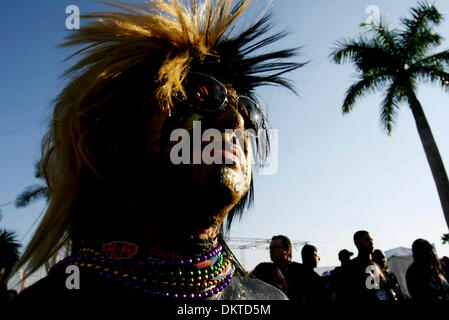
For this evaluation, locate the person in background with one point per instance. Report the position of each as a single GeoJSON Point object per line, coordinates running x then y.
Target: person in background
{"type": "Point", "coordinates": [335, 278]}
{"type": "Point", "coordinates": [270, 273]}
{"type": "Point", "coordinates": [307, 284]}
{"type": "Point", "coordinates": [345, 257]}
{"type": "Point", "coordinates": [281, 256]}
{"type": "Point", "coordinates": [425, 280]}
{"type": "Point", "coordinates": [445, 266]}
{"type": "Point", "coordinates": [363, 279]}
{"type": "Point", "coordinates": [380, 258]}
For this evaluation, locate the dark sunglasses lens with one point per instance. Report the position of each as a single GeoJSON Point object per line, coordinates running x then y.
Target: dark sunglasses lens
{"type": "Point", "coordinates": [204, 93]}
{"type": "Point", "coordinates": [251, 112]}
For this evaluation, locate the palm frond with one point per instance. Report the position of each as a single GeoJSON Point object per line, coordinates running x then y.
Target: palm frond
{"type": "Point", "coordinates": [419, 45]}
{"type": "Point", "coordinates": [359, 89]}
{"type": "Point", "coordinates": [431, 74]}
{"type": "Point", "coordinates": [389, 38]}
{"type": "Point", "coordinates": [31, 194]}
{"type": "Point", "coordinates": [38, 171]}
{"type": "Point", "coordinates": [8, 239]}
{"type": "Point", "coordinates": [389, 107]}
{"type": "Point", "coordinates": [346, 50]}
{"type": "Point", "coordinates": [9, 250]}
{"type": "Point", "coordinates": [440, 60]}
{"type": "Point", "coordinates": [424, 15]}
{"type": "Point", "coordinates": [368, 55]}
{"type": "Point", "coordinates": [418, 35]}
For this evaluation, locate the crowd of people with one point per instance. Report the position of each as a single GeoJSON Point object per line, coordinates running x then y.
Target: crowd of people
{"type": "Point", "coordinates": [367, 277]}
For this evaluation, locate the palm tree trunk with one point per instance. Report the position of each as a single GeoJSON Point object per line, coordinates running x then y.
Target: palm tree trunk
{"type": "Point", "coordinates": [432, 154]}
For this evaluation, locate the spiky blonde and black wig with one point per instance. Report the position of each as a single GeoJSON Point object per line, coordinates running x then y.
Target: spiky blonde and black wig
{"type": "Point", "coordinates": [131, 60]}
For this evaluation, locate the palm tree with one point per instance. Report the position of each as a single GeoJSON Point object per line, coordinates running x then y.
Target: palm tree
{"type": "Point", "coordinates": [9, 254]}
{"type": "Point", "coordinates": [33, 192]}
{"type": "Point", "coordinates": [395, 60]}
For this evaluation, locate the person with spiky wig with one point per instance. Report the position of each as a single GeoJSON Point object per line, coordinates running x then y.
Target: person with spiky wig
{"type": "Point", "coordinates": [135, 221]}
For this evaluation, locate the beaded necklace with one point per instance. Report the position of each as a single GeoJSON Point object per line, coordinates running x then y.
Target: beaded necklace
{"type": "Point", "coordinates": [196, 277]}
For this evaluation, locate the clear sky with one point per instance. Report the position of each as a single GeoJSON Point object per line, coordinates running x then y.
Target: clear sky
{"type": "Point", "coordinates": [336, 175]}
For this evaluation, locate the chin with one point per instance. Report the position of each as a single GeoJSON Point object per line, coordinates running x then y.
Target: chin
{"type": "Point", "coordinates": [236, 181]}
{"type": "Point", "coordinates": [221, 181]}
{"type": "Point", "coordinates": [209, 191]}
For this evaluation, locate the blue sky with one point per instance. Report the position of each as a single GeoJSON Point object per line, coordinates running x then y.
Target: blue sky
{"type": "Point", "coordinates": [337, 174]}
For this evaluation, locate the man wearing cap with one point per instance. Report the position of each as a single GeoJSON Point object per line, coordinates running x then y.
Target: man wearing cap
{"type": "Point", "coordinates": [336, 275]}
{"type": "Point", "coordinates": [344, 256]}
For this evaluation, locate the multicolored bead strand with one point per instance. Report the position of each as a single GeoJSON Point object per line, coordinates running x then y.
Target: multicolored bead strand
{"type": "Point", "coordinates": [164, 278]}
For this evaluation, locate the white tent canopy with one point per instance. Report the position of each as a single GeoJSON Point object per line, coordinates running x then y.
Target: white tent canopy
{"type": "Point", "coordinates": [399, 259]}
{"type": "Point", "coordinates": [399, 252]}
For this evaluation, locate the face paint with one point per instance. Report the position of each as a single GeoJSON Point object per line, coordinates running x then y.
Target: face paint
{"type": "Point", "coordinates": [234, 175]}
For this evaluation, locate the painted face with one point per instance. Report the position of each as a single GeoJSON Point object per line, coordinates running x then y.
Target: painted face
{"type": "Point", "coordinates": [208, 153]}
{"type": "Point", "coordinates": [222, 159]}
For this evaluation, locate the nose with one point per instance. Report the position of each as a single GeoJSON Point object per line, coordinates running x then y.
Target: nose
{"type": "Point", "coordinates": [230, 118]}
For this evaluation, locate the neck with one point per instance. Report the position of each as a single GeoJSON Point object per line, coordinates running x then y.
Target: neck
{"type": "Point", "coordinates": [281, 265]}
{"type": "Point", "coordinates": [184, 227]}
{"type": "Point", "coordinates": [309, 266]}
{"type": "Point", "coordinates": [178, 239]}
{"type": "Point", "coordinates": [365, 256]}
{"type": "Point", "coordinates": [181, 227]}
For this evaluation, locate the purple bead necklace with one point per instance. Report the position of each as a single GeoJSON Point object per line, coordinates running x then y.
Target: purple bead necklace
{"type": "Point", "coordinates": [196, 277]}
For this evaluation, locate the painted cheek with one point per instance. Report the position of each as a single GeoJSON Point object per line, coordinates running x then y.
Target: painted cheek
{"type": "Point", "coordinates": [246, 162]}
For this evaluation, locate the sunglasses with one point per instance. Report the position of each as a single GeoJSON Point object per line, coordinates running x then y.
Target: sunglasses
{"type": "Point", "coordinates": [206, 95]}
